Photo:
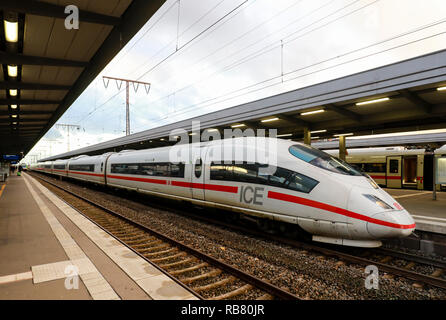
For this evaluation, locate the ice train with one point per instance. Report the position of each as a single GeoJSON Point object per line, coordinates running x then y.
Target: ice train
{"type": "Point", "coordinates": [307, 189]}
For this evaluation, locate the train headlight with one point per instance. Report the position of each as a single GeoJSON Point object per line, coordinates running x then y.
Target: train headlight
{"type": "Point", "coordinates": [378, 201]}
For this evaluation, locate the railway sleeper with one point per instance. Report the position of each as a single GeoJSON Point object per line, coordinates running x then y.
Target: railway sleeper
{"type": "Point", "coordinates": [209, 274]}
{"type": "Point", "coordinates": [437, 273]}
{"type": "Point", "coordinates": [148, 244]}
{"type": "Point", "coordinates": [193, 268]}
{"type": "Point", "coordinates": [215, 284]}
{"type": "Point", "coordinates": [410, 265]}
{"type": "Point", "coordinates": [266, 296]}
{"type": "Point", "coordinates": [233, 293]}
{"type": "Point", "coordinates": [178, 263]}
{"type": "Point", "coordinates": [152, 249]}
{"type": "Point", "coordinates": [132, 237]}
{"type": "Point", "coordinates": [140, 241]}
{"type": "Point", "coordinates": [157, 260]}
{"type": "Point", "coordinates": [119, 229]}
{"type": "Point", "coordinates": [151, 254]}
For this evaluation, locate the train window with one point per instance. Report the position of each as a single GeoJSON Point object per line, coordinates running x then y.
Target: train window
{"type": "Point", "coordinates": [245, 172]}
{"type": "Point", "coordinates": [147, 169]}
{"type": "Point", "coordinates": [279, 177]}
{"type": "Point", "coordinates": [253, 173]}
{"type": "Point", "coordinates": [221, 172]}
{"type": "Point", "coordinates": [373, 167]}
{"type": "Point", "coordinates": [162, 169]}
{"type": "Point", "coordinates": [59, 166]}
{"type": "Point", "coordinates": [394, 166]}
{"type": "Point", "coordinates": [82, 167]}
{"type": "Point", "coordinates": [177, 170]}
{"type": "Point", "coordinates": [198, 168]}
{"type": "Point", "coordinates": [301, 183]}
{"type": "Point", "coordinates": [323, 160]}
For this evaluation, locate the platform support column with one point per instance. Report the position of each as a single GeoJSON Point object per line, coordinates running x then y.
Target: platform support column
{"type": "Point", "coordinates": [307, 136]}
{"type": "Point", "coordinates": [342, 148]}
{"type": "Point", "coordinates": [434, 180]}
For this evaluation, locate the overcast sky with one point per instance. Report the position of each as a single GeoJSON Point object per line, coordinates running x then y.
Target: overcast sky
{"type": "Point", "coordinates": [226, 52]}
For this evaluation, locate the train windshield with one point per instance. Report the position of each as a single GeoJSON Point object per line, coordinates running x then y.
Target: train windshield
{"type": "Point", "coordinates": [323, 160]}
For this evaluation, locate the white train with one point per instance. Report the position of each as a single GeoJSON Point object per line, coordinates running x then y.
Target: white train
{"type": "Point", "coordinates": [309, 189]}
{"type": "Point", "coordinates": [396, 167]}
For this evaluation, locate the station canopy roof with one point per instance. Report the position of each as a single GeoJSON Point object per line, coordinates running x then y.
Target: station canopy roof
{"type": "Point", "coordinates": [404, 96]}
{"type": "Point", "coordinates": [46, 66]}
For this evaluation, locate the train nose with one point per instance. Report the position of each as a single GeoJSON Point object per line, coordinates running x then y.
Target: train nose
{"type": "Point", "coordinates": [391, 224]}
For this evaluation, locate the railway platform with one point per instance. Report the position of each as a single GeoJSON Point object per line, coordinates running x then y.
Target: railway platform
{"type": "Point", "coordinates": [430, 219]}
{"type": "Point", "coordinates": [429, 215]}
{"type": "Point", "coordinates": [49, 250]}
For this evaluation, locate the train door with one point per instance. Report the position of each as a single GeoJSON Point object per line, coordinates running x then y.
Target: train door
{"type": "Point", "coordinates": [409, 176]}
{"type": "Point", "coordinates": [428, 172]}
{"type": "Point", "coordinates": [393, 174]}
{"type": "Point", "coordinates": [197, 175]}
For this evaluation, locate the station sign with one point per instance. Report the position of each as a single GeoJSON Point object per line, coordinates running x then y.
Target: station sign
{"type": "Point", "coordinates": [441, 170]}
{"type": "Point", "coordinates": [9, 157]}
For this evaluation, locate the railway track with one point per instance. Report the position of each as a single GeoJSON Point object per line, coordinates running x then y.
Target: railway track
{"type": "Point", "coordinates": [382, 258]}
{"type": "Point", "coordinates": [203, 275]}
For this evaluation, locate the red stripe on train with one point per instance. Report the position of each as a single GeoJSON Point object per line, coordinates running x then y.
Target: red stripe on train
{"type": "Point", "coordinates": [86, 173]}
{"type": "Point", "coordinates": [212, 187]}
{"type": "Point", "coordinates": [327, 207]}
{"type": "Point", "coordinates": [147, 180]}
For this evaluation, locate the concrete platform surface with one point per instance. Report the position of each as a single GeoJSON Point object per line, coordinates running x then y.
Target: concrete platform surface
{"type": "Point", "coordinates": [47, 248]}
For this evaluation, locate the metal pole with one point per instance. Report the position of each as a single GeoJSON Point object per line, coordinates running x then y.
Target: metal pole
{"type": "Point", "coordinates": [307, 136]}
{"type": "Point", "coordinates": [127, 109]}
{"type": "Point", "coordinates": [434, 193]}
{"type": "Point", "coordinates": [342, 149]}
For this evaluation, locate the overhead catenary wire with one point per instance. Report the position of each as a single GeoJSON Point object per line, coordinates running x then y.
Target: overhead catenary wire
{"type": "Point", "coordinates": [184, 110]}
{"type": "Point", "coordinates": [274, 46]}
{"type": "Point", "coordinates": [170, 55]}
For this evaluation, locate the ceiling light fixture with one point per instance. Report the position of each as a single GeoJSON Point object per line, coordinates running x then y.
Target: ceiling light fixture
{"type": "Point", "coordinates": [13, 106]}
{"type": "Point", "coordinates": [238, 125]}
{"type": "Point", "coordinates": [270, 120]}
{"type": "Point", "coordinates": [312, 112]}
{"type": "Point", "coordinates": [13, 92]}
{"type": "Point", "coordinates": [441, 89]}
{"type": "Point", "coordinates": [372, 101]}
{"type": "Point", "coordinates": [12, 71]}
{"type": "Point", "coordinates": [11, 31]}
{"type": "Point", "coordinates": [343, 134]}
{"type": "Point", "coordinates": [318, 131]}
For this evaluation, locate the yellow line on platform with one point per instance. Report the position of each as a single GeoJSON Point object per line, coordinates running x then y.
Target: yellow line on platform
{"type": "Point", "coordinates": [411, 195]}
{"type": "Point", "coordinates": [1, 190]}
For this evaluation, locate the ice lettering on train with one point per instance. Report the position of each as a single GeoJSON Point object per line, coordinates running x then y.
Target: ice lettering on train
{"type": "Point", "coordinates": [250, 195]}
